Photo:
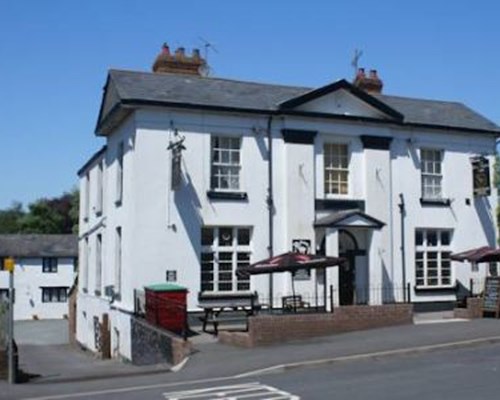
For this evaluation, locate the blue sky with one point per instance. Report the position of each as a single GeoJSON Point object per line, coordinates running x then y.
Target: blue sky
{"type": "Point", "coordinates": [54, 55]}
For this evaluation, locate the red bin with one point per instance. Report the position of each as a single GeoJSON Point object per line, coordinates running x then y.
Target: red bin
{"type": "Point", "coordinates": [166, 306]}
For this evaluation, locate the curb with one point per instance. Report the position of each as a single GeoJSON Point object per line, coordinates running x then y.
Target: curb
{"type": "Point", "coordinates": [364, 356]}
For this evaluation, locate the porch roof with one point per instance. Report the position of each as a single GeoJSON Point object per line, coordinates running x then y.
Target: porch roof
{"type": "Point", "coordinates": [349, 219]}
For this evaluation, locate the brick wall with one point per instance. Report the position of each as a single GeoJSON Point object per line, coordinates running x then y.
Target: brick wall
{"type": "Point", "coordinates": [268, 329]}
{"type": "Point", "coordinates": [473, 310]}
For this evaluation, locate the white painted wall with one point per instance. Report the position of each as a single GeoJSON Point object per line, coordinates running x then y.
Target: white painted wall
{"type": "Point", "coordinates": [161, 228]}
{"type": "Point", "coordinates": [29, 279]}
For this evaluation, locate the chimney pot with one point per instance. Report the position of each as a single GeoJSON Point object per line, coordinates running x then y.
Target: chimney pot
{"type": "Point", "coordinates": [180, 52]}
{"type": "Point", "coordinates": [196, 54]}
{"type": "Point", "coordinates": [165, 49]}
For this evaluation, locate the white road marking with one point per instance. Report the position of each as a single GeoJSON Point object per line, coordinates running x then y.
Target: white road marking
{"type": "Point", "coordinates": [438, 321]}
{"type": "Point", "coordinates": [252, 390]}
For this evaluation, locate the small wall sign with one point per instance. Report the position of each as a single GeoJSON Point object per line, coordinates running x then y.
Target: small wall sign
{"type": "Point", "coordinates": [171, 275]}
{"type": "Point", "coordinates": [302, 246]}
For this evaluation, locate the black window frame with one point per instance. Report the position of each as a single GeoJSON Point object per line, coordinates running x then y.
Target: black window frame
{"type": "Point", "coordinates": [59, 293]}
{"type": "Point", "coordinates": [48, 266]}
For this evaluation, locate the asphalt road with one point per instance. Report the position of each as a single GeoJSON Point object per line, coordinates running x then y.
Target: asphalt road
{"type": "Point", "coordinates": [468, 373]}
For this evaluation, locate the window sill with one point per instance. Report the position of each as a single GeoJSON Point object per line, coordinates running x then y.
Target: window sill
{"type": "Point", "coordinates": [219, 195]}
{"type": "Point", "coordinates": [435, 202]}
{"type": "Point", "coordinates": [442, 288]}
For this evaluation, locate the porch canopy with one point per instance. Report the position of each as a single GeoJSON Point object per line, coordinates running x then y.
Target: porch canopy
{"type": "Point", "coordinates": [478, 255]}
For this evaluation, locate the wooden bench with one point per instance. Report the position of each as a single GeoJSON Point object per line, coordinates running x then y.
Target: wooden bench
{"type": "Point", "coordinates": [215, 306]}
{"type": "Point", "coordinates": [293, 303]}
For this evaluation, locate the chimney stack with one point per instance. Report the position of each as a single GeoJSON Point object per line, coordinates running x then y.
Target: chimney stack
{"type": "Point", "coordinates": [371, 83]}
{"type": "Point", "coordinates": [179, 62]}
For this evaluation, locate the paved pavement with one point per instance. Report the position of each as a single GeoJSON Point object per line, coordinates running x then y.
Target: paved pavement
{"type": "Point", "coordinates": [60, 364]}
{"type": "Point", "coordinates": [41, 332]}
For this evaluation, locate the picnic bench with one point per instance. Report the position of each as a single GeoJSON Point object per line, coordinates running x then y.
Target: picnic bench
{"type": "Point", "coordinates": [215, 306]}
{"type": "Point", "coordinates": [293, 303]}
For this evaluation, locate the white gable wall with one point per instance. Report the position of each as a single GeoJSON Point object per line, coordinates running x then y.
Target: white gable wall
{"type": "Point", "coordinates": [341, 102]}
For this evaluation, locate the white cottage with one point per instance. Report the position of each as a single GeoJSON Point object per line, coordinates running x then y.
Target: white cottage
{"type": "Point", "coordinates": [45, 269]}
{"type": "Point", "coordinates": [201, 174]}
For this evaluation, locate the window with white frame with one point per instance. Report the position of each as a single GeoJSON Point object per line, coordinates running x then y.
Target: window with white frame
{"type": "Point", "coordinates": [98, 264]}
{"type": "Point", "coordinates": [432, 176]}
{"type": "Point", "coordinates": [119, 173]}
{"type": "Point", "coordinates": [54, 294]}
{"type": "Point", "coordinates": [99, 191]}
{"type": "Point", "coordinates": [432, 258]}
{"type": "Point", "coordinates": [336, 168]}
{"type": "Point", "coordinates": [85, 264]}
{"type": "Point", "coordinates": [118, 260]}
{"type": "Point", "coordinates": [49, 264]}
{"type": "Point", "coordinates": [224, 249]}
{"type": "Point", "coordinates": [225, 163]}
{"type": "Point", "coordinates": [86, 197]}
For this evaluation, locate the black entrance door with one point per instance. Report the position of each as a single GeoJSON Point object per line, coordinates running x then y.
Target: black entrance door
{"type": "Point", "coordinates": [346, 281]}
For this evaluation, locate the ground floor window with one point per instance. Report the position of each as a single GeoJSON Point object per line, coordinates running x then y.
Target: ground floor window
{"type": "Point", "coordinates": [432, 258]}
{"type": "Point", "coordinates": [54, 294]}
{"type": "Point", "coordinates": [223, 250]}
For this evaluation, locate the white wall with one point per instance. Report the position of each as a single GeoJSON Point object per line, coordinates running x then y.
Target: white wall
{"type": "Point", "coordinates": [29, 279]}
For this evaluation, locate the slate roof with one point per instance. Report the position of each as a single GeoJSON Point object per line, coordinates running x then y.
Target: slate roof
{"type": "Point", "coordinates": [136, 88]}
{"type": "Point", "coordinates": [31, 245]}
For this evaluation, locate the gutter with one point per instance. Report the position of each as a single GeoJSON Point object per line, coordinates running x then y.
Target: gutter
{"type": "Point", "coordinates": [270, 202]}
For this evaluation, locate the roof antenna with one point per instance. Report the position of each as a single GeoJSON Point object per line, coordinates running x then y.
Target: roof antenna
{"type": "Point", "coordinates": [207, 47]}
{"type": "Point", "coordinates": [355, 60]}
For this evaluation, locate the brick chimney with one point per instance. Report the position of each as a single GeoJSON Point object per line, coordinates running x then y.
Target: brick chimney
{"type": "Point", "coordinates": [370, 83]}
{"type": "Point", "coordinates": [179, 62]}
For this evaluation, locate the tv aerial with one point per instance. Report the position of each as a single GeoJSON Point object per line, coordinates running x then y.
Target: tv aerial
{"type": "Point", "coordinates": [207, 48]}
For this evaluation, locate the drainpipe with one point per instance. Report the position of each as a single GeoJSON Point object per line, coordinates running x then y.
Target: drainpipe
{"type": "Point", "coordinates": [270, 202]}
{"type": "Point", "coordinates": [402, 210]}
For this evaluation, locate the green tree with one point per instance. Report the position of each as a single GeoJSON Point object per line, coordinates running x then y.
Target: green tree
{"type": "Point", "coordinates": [10, 218]}
{"type": "Point", "coordinates": [54, 215]}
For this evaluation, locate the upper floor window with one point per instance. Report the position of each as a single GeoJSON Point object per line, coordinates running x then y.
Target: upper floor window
{"type": "Point", "coordinates": [86, 196]}
{"type": "Point", "coordinates": [99, 192]}
{"type": "Point", "coordinates": [432, 257]}
{"type": "Point", "coordinates": [336, 160]}
{"type": "Point", "coordinates": [49, 264]}
{"type": "Point", "coordinates": [432, 175]}
{"type": "Point", "coordinates": [119, 173]}
{"type": "Point", "coordinates": [225, 167]}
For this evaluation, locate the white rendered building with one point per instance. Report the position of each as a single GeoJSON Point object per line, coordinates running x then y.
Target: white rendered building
{"type": "Point", "coordinates": [201, 174]}
{"type": "Point", "coordinates": [45, 269]}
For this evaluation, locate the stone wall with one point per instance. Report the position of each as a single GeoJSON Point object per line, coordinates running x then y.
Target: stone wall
{"type": "Point", "coordinates": [153, 345]}
{"type": "Point", "coordinates": [473, 309]}
{"type": "Point", "coordinates": [268, 329]}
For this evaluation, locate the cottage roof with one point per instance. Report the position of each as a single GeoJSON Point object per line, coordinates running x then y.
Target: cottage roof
{"type": "Point", "coordinates": [38, 245]}
{"type": "Point", "coordinates": [125, 90]}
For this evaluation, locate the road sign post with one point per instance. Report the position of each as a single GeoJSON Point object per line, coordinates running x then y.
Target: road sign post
{"type": "Point", "coordinates": [9, 264]}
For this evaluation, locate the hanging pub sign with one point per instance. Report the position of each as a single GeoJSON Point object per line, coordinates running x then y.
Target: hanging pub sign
{"type": "Point", "coordinates": [176, 170]}
{"type": "Point", "coordinates": [481, 176]}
